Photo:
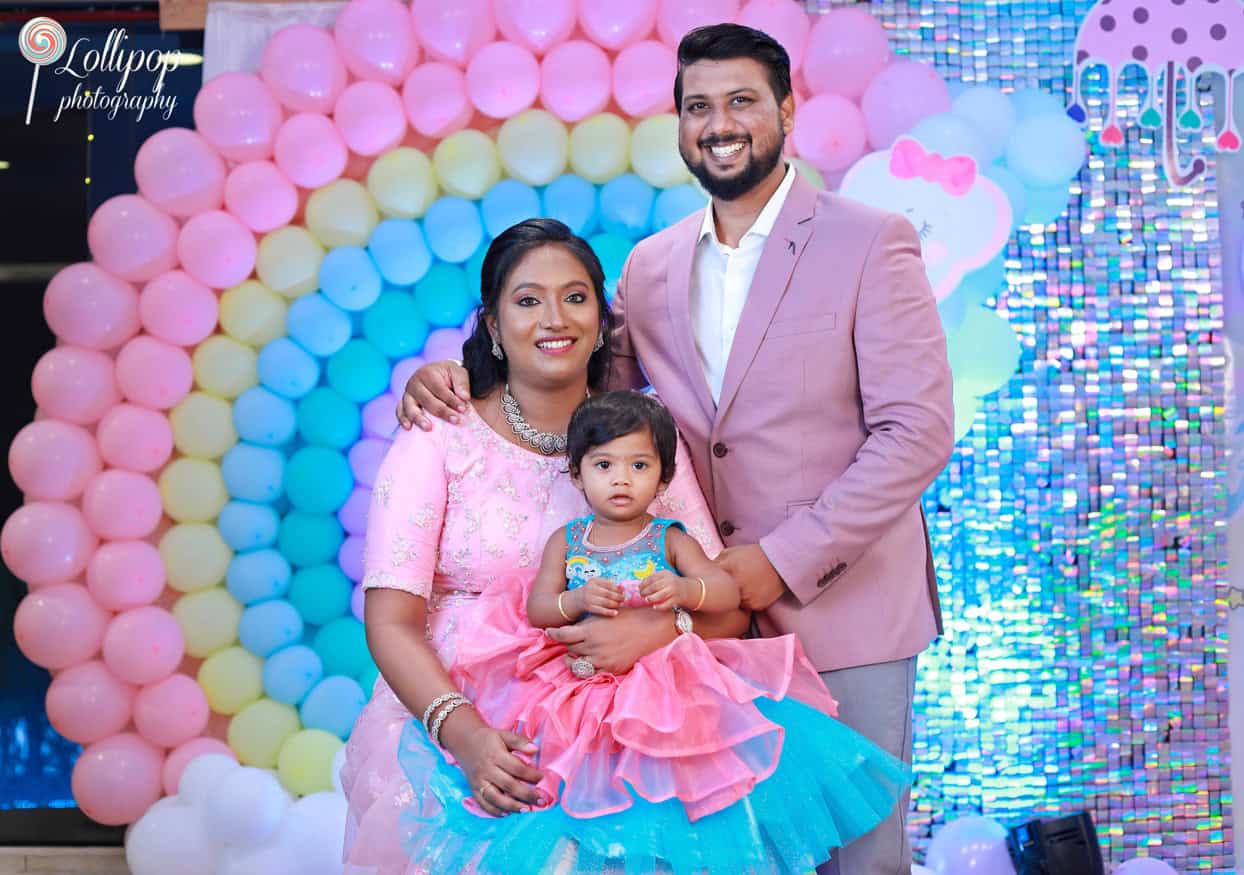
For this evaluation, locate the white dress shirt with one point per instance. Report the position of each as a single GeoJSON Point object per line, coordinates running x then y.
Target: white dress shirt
{"type": "Point", "coordinates": [720, 280]}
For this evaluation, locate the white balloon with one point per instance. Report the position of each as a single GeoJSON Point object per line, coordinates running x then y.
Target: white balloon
{"type": "Point", "coordinates": [917, 869]}
{"type": "Point", "coordinates": [274, 857]}
{"type": "Point", "coordinates": [170, 837]}
{"type": "Point", "coordinates": [339, 762]}
{"type": "Point", "coordinates": [201, 776]}
{"type": "Point", "coordinates": [316, 827]}
{"type": "Point", "coordinates": [246, 807]}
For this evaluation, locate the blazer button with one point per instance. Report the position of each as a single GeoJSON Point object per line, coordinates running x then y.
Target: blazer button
{"type": "Point", "coordinates": [727, 528]}
{"type": "Point", "coordinates": [720, 449]}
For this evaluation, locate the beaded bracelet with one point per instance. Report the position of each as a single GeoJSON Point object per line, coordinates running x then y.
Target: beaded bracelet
{"type": "Point", "coordinates": [436, 703]}
{"type": "Point", "coordinates": [440, 718]}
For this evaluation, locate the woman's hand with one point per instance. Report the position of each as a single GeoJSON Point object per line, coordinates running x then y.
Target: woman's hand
{"type": "Point", "coordinates": [614, 644]}
{"type": "Point", "coordinates": [501, 782]}
{"type": "Point", "coordinates": [440, 389]}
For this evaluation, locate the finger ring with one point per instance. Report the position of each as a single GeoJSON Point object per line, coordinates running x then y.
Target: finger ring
{"type": "Point", "coordinates": [582, 667]}
{"type": "Point", "coordinates": [483, 785]}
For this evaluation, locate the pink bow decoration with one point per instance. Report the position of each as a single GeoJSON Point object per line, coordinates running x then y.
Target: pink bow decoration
{"type": "Point", "coordinates": [955, 175]}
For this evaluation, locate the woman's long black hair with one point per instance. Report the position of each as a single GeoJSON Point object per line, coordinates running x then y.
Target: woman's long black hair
{"type": "Point", "coordinates": [504, 253]}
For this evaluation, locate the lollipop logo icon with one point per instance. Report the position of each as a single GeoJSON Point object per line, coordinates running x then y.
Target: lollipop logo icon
{"type": "Point", "coordinates": [41, 42]}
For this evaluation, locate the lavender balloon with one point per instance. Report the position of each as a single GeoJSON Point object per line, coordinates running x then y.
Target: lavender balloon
{"type": "Point", "coordinates": [972, 845]}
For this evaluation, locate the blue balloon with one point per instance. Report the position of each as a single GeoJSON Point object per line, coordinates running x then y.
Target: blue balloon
{"type": "Point", "coordinates": [675, 204]}
{"type": "Point", "coordinates": [572, 199]}
{"type": "Point", "coordinates": [612, 252]}
{"type": "Point", "coordinates": [474, 274]}
{"type": "Point", "coordinates": [947, 134]}
{"type": "Point", "coordinates": [1014, 189]}
{"type": "Point", "coordinates": [258, 576]}
{"type": "Point", "coordinates": [329, 419]}
{"type": "Point", "coordinates": [984, 282]}
{"type": "Point", "coordinates": [307, 539]}
{"type": "Point", "coordinates": [333, 705]}
{"type": "Point", "coordinates": [951, 309]}
{"type": "Point", "coordinates": [1046, 203]}
{"type": "Point", "coordinates": [1034, 101]}
{"type": "Point", "coordinates": [444, 297]}
{"type": "Point", "coordinates": [400, 252]}
{"type": "Point", "coordinates": [263, 417]}
{"type": "Point", "coordinates": [319, 325]}
{"type": "Point", "coordinates": [349, 278]}
{"type": "Point", "coordinates": [321, 594]}
{"type": "Point", "coordinates": [268, 626]}
{"type": "Point", "coordinates": [288, 369]}
{"type": "Point", "coordinates": [253, 473]}
{"type": "Point", "coordinates": [368, 676]}
{"type": "Point", "coordinates": [454, 229]}
{"type": "Point", "coordinates": [626, 206]}
{"type": "Point", "coordinates": [289, 674]}
{"type": "Point", "coordinates": [1046, 150]}
{"type": "Point", "coordinates": [359, 371]}
{"type": "Point", "coordinates": [246, 525]}
{"type": "Point", "coordinates": [508, 203]}
{"type": "Point", "coordinates": [318, 480]}
{"type": "Point", "coordinates": [394, 324]}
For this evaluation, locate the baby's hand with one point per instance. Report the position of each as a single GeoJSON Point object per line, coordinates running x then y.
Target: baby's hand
{"type": "Point", "coordinates": [666, 590]}
{"type": "Point", "coordinates": [602, 597]}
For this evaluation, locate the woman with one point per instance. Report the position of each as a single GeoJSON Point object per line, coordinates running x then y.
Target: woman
{"type": "Point", "coordinates": [467, 508]}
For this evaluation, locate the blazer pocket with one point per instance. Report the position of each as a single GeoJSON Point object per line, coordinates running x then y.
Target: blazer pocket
{"type": "Point", "coordinates": [793, 507]}
{"type": "Point", "coordinates": [786, 327]}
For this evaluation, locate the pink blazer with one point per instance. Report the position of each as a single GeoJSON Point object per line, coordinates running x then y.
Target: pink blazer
{"type": "Point", "coordinates": [834, 416]}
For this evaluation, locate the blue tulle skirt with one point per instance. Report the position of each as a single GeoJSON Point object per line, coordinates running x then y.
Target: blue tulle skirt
{"type": "Point", "coordinates": [830, 787]}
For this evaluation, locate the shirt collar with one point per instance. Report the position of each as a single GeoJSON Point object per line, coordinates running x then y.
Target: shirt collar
{"type": "Point", "coordinates": [768, 216]}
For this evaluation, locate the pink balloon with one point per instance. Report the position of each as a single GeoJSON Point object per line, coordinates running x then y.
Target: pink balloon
{"type": "Point", "coordinates": [846, 49]}
{"type": "Point", "coordinates": [503, 79]}
{"type": "Point", "coordinates": [443, 343]}
{"type": "Point", "coordinates": [643, 78]}
{"type": "Point", "coordinates": [153, 373]}
{"type": "Point", "coordinates": [238, 115]}
{"type": "Point", "coordinates": [177, 761]}
{"type": "Point", "coordinates": [575, 80]}
{"type": "Point", "coordinates": [143, 645]}
{"type": "Point", "coordinates": [178, 309]}
{"type": "Point", "coordinates": [73, 384]}
{"type": "Point", "coordinates": [89, 307]}
{"type": "Point", "coordinates": [830, 132]}
{"type": "Point", "coordinates": [538, 25]}
{"type": "Point", "coordinates": [132, 239]}
{"type": "Point", "coordinates": [260, 196]}
{"type": "Point", "coordinates": [125, 574]}
{"type": "Point", "coordinates": [59, 625]}
{"type": "Point", "coordinates": [376, 39]}
{"type": "Point", "coordinates": [453, 30]}
{"type": "Point", "coordinates": [217, 250]}
{"type": "Point", "coordinates": [617, 25]}
{"type": "Point", "coordinates": [402, 371]}
{"type": "Point", "coordinates": [179, 172]}
{"type": "Point", "coordinates": [350, 557]}
{"type": "Point", "coordinates": [786, 22]}
{"type": "Point", "coordinates": [310, 151]}
{"type": "Point", "coordinates": [87, 702]}
{"type": "Point", "coordinates": [122, 505]}
{"type": "Point", "coordinates": [135, 438]}
{"type": "Point", "coordinates": [370, 118]}
{"type": "Point", "coordinates": [356, 602]}
{"type": "Point", "coordinates": [301, 66]}
{"type": "Point", "coordinates": [378, 418]}
{"type": "Point", "coordinates": [171, 712]}
{"type": "Point", "coordinates": [676, 17]}
{"type": "Point", "coordinates": [46, 542]}
{"type": "Point", "coordinates": [52, 460]}
{"type": "Point", "coordinates": [898, 97]}
{"type": "Point", "coordinates": [435, 99]}
{"type": "Point", "coordinates": [117, 779]}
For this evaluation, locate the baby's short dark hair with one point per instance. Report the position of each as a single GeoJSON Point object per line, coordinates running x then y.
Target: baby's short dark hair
{"type": "Point", "coordinates": [603, 418]}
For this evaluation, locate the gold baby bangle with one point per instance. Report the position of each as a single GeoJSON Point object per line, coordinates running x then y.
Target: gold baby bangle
{"type": "Point", "coordinates": [703, 593]}
{"type": "Point", "coordinates": [562, 610]}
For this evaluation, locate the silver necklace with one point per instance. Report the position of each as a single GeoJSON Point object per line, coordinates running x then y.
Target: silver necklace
{"type": "Point", "coordinates": [547, 442]}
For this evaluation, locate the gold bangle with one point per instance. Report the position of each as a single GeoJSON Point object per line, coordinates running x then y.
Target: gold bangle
{"type": "Point", "coordinates": [703, 593]}
{"type": "Point", "coordinates": [562, 610]}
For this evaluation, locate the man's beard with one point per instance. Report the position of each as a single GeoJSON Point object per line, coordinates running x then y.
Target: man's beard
{"type": "Point", "coordinates": [733, 187]}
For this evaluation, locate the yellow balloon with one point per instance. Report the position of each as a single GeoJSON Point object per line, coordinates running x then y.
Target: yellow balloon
{"type": "Point", "coordinates": [305, 763]}
{"type": "Point", "coordinates": [403, 183]}
{"type": "Point", "coordinates": [203, 426]}
{"type": "Point", "coordinates": [232, 678]}
{"type": "Point", "coordinates": [289, 261]}
{"type": "Point", "coordinates": [654, 151]}
{"type": "Point", "coordinates": [195, 556]}
{"type": "Point", "coordinates": [252, 314]}
{"type": "Point", "coordinates": [209, 620]}
{"type": "Point", "coordinates": [225, 367]}
{"type": "Point", "coordinates": [193, 490]}
{"type": "Point", "coordinates": [258, 731]}
{"type": "Point", "coordinates": [342, 213]}
{"type": "Point", "coordinates": [466, 163]}
{"type": "Point", "coordinates": [599, 147]}
{"type": "Point", "coordinates": [808, 172]}
{"type": "Point", "coordinates": [534, 147]}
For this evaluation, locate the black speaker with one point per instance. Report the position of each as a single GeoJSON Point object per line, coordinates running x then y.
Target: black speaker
{"type": "Point", "coordinates": [1064, 846]}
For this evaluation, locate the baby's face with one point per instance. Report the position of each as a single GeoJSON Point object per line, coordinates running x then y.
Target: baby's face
{"type": "Point", "coordinates": [621, 478]}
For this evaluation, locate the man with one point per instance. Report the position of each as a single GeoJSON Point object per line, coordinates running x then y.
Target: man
{"type": "Point", "coordinates": [794, 337]}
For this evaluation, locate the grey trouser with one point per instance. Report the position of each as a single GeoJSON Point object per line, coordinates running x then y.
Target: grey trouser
{"type": "Point", "coordinates": [875, 701]}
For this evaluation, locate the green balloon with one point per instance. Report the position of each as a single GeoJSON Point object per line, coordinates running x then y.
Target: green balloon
{"type": "Point", "coordinates": [367, 678]}
{"type": "Point", "coordinates": [318, 480]}
{"type": "Point", "coordinates": [359, 371]}
{"type": "Point", "coordinates": [612, 251]}
{"type": "Point", "coordinates": [320, 594]}
{"type": "Point", "coordinates": [444, 296]}
{"type": "Point", "coordinates": [342, 646]}
{"type": "Point", "coordinates": [474, 273]}
{"type": "Point", "coordinates": [310, 538]}
{"type": "Point", "coordinates": [395, 325]}
{"type": "Point", "coordinates": [329, 419]}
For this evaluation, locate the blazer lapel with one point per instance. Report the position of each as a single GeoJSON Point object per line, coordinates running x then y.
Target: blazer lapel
{"type": "Point", "coordinates": [678, 285]}
{"type": "Point", "coordinates": [777, 262]}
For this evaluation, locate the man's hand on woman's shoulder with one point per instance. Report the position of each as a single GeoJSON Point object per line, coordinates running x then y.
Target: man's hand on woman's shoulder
{"type": "Point", "coordinates": [438, 389]}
